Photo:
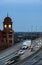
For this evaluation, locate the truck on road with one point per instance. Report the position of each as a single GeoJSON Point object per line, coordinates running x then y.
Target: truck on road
{"type": "Point", "coordinates": [26, 44]}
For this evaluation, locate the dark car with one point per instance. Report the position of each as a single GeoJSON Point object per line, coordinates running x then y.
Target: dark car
{"type": "Point", "coordinates": [12, 60]}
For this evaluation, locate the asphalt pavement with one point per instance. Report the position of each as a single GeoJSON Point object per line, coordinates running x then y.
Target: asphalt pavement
{"type": "Point", "coordinates": [9, 53]}
{"type": "Point", "coordinates": [35, 60]}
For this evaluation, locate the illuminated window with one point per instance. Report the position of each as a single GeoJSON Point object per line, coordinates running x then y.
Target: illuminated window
{"type": "Point", "coordinates": [5, 26]}
{"type": "Point", "coordinates": [9, 26]}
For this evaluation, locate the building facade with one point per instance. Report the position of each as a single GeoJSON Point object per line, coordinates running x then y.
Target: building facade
{"type": "Point", "coordinates": [7, 34]}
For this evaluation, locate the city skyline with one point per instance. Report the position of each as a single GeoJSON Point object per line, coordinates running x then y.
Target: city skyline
{"type": "Point", "coordinates": [26, 14]}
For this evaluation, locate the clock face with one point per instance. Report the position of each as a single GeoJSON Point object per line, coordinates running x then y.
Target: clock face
{"type": "Point", "coordinates": [5, 25]}
{"type": "Point", "coordinates": [9, 26]}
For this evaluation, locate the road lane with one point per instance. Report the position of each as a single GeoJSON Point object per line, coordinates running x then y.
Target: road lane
{"type": "Point", "coordinates": [27, 53]}
{"type": "Point", "coordinates": [8, 54]}
{"type": "Point", "coordinates": [23, 57]}
{"type": "Point", "coordinates": [34, 60]}
{"type": "Point", "coordinates": [9, 51]}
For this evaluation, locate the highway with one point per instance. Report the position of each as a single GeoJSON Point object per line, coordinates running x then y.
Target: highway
{"type": "Point", "coordinates": [8, 53]}
{"type": "Point", "coordinates": [11, 53]}
{"type": "Point", "coordinates": [35, 59]}
{"type": "Point", "coordinates": [26, 54]}
{"type": "Point", "coordinates": [10, 50]}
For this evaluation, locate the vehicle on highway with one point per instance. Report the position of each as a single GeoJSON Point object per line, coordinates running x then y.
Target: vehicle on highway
{"type": "Point", "coordinates": [12, 60]}
{"type": "Point", "coordinates": [26, 44]}
{"type": "Point", "coordinates": [20, 52]}
{"type": "Point", "coordinates": [24, 47]}
{"type": "Point", "coordinates": [36, 45]}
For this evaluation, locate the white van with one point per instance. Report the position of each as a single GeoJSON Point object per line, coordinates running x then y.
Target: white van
{"type": "Point", "coordinates": [26, 44]}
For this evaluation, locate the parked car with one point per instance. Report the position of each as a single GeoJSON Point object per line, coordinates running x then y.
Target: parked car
{"type": "Point", "coordinates": [12, 60]}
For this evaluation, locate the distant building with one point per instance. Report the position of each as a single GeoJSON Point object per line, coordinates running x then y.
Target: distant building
{"type": "Point", "coordinates": [7, 34]}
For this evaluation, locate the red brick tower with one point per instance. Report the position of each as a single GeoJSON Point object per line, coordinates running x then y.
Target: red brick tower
{"type": "Point", "coordinates": [8, 33]}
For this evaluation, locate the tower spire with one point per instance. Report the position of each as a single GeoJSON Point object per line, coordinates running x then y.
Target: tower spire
{"type": "Point", "coordinates": [7, 14]}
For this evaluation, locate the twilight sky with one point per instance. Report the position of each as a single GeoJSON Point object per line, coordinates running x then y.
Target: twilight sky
{"type": "Point", "coordinates": [26, 14]}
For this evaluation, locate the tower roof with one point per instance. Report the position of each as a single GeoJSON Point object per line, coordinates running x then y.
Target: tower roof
{"type": "Point", "coordinates": [7, 19]}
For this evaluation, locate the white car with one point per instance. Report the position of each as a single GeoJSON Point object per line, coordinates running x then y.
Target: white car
{"type": "Point", "coordinates": [20, 52]}
{"type": "Point", "coordinates": [24, 47]}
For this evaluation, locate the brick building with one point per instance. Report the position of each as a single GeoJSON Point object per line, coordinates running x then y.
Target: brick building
{"type": "Point", "coordinates": [7, 34]}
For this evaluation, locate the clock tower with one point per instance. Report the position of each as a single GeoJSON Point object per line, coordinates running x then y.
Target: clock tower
{"type": "Point", "coordinates": [8, 33]}
{"type": "Point", "coordinates": [7, 24]}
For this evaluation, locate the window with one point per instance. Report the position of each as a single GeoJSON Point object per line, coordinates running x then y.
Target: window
{"type": "Point", "coordinates": [10, 36]}
{"type": "Point", "coordinates": [10, 41]}
{"type": "Point", "coordinates": [10, 32]}
{"type": "Point", "coordinates": [4, 36]}
{"type": "Point", "coordinates": [9, 26]}
{"type": "Point", "coordinates": [5, 25]}
{"type": "Point", "coordinates": [4, 32]}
